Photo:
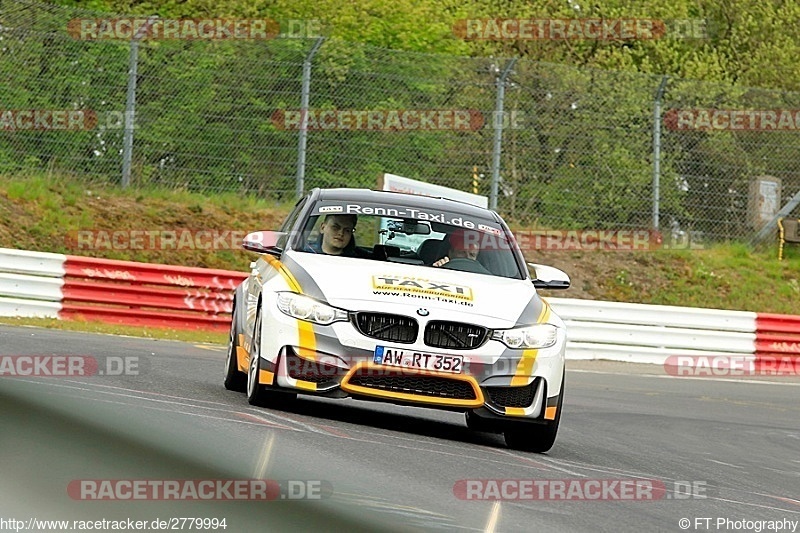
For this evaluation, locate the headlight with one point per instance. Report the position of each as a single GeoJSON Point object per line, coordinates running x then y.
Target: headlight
{"type": "Point", "coordinates": [305, 308]}
{"type": "Point", "coordinates": [538, 336]}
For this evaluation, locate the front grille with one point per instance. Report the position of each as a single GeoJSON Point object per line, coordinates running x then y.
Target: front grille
{"type": "Point", "coordinates": [433, 386]}
{"type": "Point", "coordinates": [512, 396]}
{"type": "Point", "coordinates": [455, 335]}
{"type": "Point", "coordinates": [314, 371]}
{"type": "Point", "coordinates": [386, 327]}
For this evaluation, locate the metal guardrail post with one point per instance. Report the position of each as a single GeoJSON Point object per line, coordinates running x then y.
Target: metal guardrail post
{"type": "Point", "coordinates": [657, 152]}
{"type": "Point", "coordinates": [498, 132]}
{"type": "Point", "coordinates": [130, 103]}
{"type": "Point", "coordinates": [303, 137]}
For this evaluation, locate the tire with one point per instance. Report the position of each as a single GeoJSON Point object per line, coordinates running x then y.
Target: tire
{"type": "Point", "coordinates": [234, 380]}
{"type": "Point", "coordinates": [535, 438]}
{"type": "Point", "coordinates": [258, 394]}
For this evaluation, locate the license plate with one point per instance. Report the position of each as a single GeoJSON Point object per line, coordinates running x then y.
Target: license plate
{"type": "Point", "coordinates": [422, 360]}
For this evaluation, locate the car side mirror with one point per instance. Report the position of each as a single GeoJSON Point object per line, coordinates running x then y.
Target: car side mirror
{"type": "Point", "coordinates": [547, 277]}
{"type": "Point", "coordinates": [264, 242]}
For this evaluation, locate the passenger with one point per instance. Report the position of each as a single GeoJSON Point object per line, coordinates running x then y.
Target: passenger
{"type": "Point", "coordinates": [463, 245]}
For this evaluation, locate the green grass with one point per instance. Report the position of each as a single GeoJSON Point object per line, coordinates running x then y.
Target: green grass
{"type": "Point", "coordinates": [37, 212]}
{"type": "Point", "coordinates": [723, 277]}
{"type": "Point", "coordinates": [198, 337]}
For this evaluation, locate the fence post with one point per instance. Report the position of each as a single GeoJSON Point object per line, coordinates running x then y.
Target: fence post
{"type": "Point", "coordinates": [657, 152]}
{"type": "Point", "coordinates": [303, 137]}
{"type": "Point", "coordinates": [770, 226]}
{"type": "Point", "coordinates": [497, 123]}
{"type": "Point", "coordinates": [130, 102]}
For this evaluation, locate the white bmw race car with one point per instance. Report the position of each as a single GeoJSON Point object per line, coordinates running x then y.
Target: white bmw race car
{"type": "Point", "coordinates": [399, 298]}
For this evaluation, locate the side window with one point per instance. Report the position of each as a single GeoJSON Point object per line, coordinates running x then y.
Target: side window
{"type": "Point", "coordinates": [288, 224]}
{"type": "Point", "coordinates": [311, 232]}
{"type": "Point", "coordinates": [290, 221]}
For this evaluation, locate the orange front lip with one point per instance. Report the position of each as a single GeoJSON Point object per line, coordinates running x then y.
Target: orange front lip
{"type": "Point", "coordinates": [410, 397]}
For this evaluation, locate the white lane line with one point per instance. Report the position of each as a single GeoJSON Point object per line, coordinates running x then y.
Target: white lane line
{"type": "Point", "coordinates": [305, 425]}
{"type": "Point", "coordinates": [693, 378]}
{"type": "Point", "coordinates": [225, 409]}
{"type": "Point", "coordinates": [433, 520]}
{"type": "Point", "coordinates": [418, 449]}
{"type": "Point", "coordinates": [784, 471]}
{"type": "Point", "coordinates": [536, 463]}
{"type": "Point", "coordinates": [170, 402]}
{"type": "Point", "coordinates": [115, 387]}
{"type": "Point", "coordinates": [787, 500]}
{"type": "Point", "coordinates": [494, 516]}
{"type": "Point", "coordinates": [759, 505]}
{"type": "Point", "coordinates": [664, 479]}
{"type": "Point", "coordinates": [180, 412]}
{"type": "Point", "coordinates": [725, 464]}
{"type": "Point", "coordinates": [260, 420]}
{"type": "Point", "coordinates": [264, 458]}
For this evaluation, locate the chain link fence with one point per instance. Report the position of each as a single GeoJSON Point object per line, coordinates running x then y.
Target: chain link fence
{"type": "Point", "coordinates": [572, 147]}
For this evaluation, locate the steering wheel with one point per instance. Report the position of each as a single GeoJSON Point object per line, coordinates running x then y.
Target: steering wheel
{"type": "Point", "coordinates": [466, 265]}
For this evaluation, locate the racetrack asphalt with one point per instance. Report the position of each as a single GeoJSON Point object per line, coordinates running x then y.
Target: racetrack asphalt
{"type": "Point", "coordinates": [735, 440]}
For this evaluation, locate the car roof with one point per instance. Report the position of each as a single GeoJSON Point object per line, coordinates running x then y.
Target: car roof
{"type": "Point", "coordinates": [404, 199]}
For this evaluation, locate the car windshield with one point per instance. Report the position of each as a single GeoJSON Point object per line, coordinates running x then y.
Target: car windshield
{"type": "Point", "coordinates": [415, 236]}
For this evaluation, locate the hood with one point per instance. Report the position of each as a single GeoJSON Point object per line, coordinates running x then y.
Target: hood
{"type": "Point", "coordinates": [355, 284]}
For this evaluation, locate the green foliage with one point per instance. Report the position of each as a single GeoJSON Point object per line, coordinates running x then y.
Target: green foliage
{"type": "Point", "coordinates": [38, 212]}
{"type": "Point", "coordinates": [581, 158]}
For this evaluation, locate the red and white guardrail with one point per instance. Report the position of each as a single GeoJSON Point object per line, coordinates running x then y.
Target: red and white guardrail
{"type": "Point", "coordinates": [777, 336]}
{"type": "Point", "coordinates": [36, 284]}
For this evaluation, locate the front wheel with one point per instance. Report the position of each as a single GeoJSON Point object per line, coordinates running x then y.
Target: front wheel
{"type": "Point", "coordinates": [535, 438]}
{"type": "Point", "coordinates": [258, 394]}
{"type": "Point", "coordinates": [234, 380]}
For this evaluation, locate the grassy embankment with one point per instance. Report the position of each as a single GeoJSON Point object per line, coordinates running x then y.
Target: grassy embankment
{"type": "Point", "coordinates": [42, 213]}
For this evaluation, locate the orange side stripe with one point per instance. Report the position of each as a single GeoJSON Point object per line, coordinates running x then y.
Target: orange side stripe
{"type": "Point", "coordinates": [285, 274]}
{"type": "Point", "coordinates": [307, 340]}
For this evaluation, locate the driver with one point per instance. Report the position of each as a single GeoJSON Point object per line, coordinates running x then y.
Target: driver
{"type": "Point", "coordinates": [336, 235]}
{"type": "Point", "coordinates": [463, 244]}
